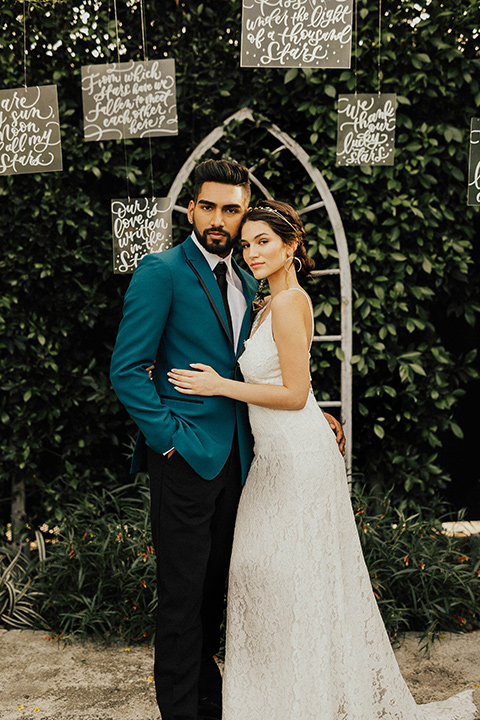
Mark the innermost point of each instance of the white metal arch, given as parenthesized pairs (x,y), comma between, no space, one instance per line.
(343,270)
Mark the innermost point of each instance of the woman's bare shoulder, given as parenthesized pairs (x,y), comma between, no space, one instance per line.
(286,299)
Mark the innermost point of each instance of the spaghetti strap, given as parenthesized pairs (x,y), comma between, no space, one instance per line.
(311,310)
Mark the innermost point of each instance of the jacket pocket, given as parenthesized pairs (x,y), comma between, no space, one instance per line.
(182,399)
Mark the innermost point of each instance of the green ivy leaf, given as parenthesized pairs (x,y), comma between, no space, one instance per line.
(290,75)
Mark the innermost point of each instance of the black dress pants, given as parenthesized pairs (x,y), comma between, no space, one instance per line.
(192,526)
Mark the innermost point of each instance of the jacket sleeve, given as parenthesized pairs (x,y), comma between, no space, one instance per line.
(145,312)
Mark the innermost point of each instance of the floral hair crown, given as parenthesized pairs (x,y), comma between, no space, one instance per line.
(278,214)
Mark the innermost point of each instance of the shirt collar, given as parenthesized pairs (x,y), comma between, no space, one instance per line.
(213,259)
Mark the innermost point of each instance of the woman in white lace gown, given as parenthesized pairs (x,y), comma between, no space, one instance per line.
(305,639)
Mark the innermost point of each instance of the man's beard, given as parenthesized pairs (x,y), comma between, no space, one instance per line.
(220,246)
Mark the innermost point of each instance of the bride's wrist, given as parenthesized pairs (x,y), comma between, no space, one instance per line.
(223,386)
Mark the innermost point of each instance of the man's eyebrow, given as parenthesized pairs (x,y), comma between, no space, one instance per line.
(224,207)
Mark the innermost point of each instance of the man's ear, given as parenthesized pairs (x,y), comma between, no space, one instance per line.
(190,209)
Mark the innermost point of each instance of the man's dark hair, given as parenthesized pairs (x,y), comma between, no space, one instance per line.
(221,171)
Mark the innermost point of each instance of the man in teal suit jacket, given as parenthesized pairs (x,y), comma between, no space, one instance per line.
(197,450)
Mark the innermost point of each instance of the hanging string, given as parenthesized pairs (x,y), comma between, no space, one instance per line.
(24,46)
(144,40)
(109,10)
(145,57)
(118,60)
(355,71)
(379,42)
(116,29)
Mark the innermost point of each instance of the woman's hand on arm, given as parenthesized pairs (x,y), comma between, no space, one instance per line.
(202,380)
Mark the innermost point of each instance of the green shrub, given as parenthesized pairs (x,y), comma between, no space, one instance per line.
(99,577)
(423,579)
(19,592)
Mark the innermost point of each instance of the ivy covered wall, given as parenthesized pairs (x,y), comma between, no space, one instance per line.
(413,240)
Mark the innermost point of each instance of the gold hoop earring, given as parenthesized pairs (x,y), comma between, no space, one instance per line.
(294,259)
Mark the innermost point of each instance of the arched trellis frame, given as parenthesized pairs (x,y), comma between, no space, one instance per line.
(343,270)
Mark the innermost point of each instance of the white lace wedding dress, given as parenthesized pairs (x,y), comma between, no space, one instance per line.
(305,639)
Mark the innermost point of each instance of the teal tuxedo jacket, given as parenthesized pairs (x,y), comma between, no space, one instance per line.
(173,316)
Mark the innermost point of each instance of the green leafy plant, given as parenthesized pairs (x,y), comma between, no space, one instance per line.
(19,594)
(99,577)
(423,579)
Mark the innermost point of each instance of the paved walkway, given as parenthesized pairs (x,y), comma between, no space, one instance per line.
(45,680)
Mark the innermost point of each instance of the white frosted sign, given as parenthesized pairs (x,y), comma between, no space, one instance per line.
(474,164)
(129,100)
(366,129)
(296,33)
(140,226)
(30,139)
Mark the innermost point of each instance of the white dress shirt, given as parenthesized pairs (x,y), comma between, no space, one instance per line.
(236,299)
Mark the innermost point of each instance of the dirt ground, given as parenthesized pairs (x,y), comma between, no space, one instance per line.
(42,679)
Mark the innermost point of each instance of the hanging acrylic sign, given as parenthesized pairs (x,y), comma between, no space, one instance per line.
(366,129)
(474,163)
(129,100)
(30,139)
(295,33)
(140,226)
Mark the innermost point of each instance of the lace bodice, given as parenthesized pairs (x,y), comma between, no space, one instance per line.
(259,362)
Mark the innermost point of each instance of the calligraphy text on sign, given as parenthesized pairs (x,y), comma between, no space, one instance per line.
(296,33)
(474,164)
(129,100)
(29,130)
(366,129)
(140,226)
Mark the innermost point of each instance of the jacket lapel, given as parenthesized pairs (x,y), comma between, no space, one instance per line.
(249,291)
(200,267)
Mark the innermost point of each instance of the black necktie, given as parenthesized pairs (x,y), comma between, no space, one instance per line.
(220,272)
